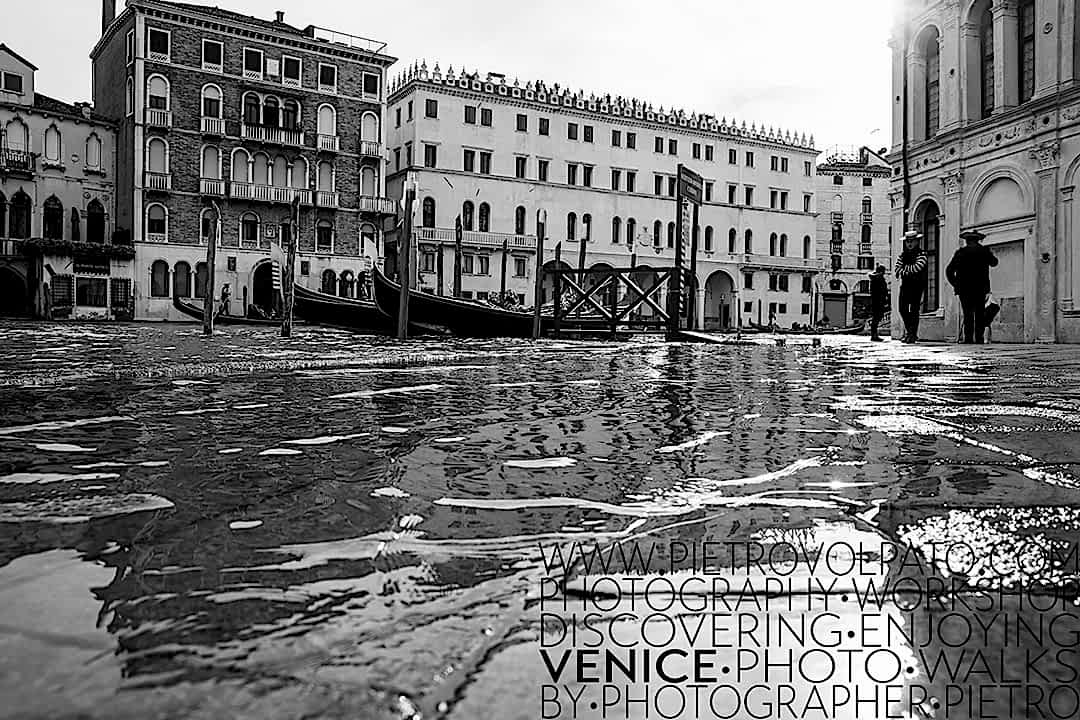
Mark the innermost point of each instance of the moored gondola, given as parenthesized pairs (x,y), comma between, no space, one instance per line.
(196,312)
(324,309)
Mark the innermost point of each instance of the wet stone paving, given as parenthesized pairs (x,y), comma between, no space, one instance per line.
(339,526)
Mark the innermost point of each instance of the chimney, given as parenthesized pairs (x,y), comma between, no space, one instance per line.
(280,16)
(108,14)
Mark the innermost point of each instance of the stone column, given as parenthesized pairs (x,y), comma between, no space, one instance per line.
(948,243)
(896,44)
(950,52)
(1006,54)
(1047,155)
(1047,62)
(1068,42)
(1066,284)
(971,72)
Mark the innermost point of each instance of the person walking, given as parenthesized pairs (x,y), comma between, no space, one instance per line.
(879,301)
(223,308)
(969,274)
(911,271)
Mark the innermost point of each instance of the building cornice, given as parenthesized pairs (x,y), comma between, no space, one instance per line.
(72,117)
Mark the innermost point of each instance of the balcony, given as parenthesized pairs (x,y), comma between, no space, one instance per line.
(9,247)
(836,217)
(272,135)
(213,126)
(369,148)
(156,237)
(328,143)
(327,199)
(866,218)
(381,205)
(18,161)
(157,181)
(445,236)
(158,118)
(774,261)
(158,56)
(209,186)
(267,193)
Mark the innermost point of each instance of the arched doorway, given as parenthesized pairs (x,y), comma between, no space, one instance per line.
(13,300)
(834,304)
(604,297)
(928,221)
(719,301)
(264,295)
(547,288)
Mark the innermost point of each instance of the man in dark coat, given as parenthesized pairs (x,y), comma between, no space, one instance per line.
(911,271)
(879,301)
(969,274)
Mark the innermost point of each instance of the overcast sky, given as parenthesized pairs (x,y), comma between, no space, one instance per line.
(815,66)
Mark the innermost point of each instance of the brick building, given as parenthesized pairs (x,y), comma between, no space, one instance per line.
(222,112)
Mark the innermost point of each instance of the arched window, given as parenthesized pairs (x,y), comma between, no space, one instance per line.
(290,115)
(53,219)
(428,214)
(279,172)
(732,240)
(19,222)
(867,205)
(519,220)
(3,215)
(129,106)
(838,204)
(324,236)
(485,217)
(327,119)
(368,237)
(748,241)
(241,166)
(326,176)
(929,221)
(657,230)
(300,173)
(95,222)
(1026,28)
(631,228)
(271,111)
(252,109)
(783,245)
(157,225)
(467,215)
(249,229)
(329,282)
(211,163)
(182,279)
(93,152)
(708,238)
(367,182)
(52,144)
(346,283)
(202,279)
(671,234)
(369,127)
(837,234)
(18,136)
(76,232)
(571,226)
(159,279)
(157,92)
(772,244)
(211,101)
(207,225)
(932,51)
(806,246)
(864,241)
(260,169)
(616,230)
(157,156)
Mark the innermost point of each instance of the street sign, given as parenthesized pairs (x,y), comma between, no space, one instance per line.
(690,184)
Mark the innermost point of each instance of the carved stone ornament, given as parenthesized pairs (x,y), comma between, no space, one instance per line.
(1047,154)
(952,182)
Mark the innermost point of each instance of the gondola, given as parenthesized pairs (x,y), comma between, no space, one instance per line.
(463,318)
(361,315)
(197,313)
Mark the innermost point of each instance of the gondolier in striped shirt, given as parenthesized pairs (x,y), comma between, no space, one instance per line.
(911,272)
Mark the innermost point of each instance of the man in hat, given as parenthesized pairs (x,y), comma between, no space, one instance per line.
(911,271)
(879,301)
(969,274)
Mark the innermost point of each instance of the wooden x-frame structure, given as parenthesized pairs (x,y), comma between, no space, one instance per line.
(586,306)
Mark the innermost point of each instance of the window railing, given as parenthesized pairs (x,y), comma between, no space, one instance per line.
(213,126)
(445,236)
(210,186)
(328,142)
(778,261)
(152,237)
(17,160)
(290,82)
(275,135)
(155,56)
(157,181)
(158,118)
(837,216)
(252,74)
(326,198)
(370,148)
(866,218)
(213,67)
(332,89)
(268,193)
(369,203)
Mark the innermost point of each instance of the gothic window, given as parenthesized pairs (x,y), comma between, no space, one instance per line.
(519,220)
(467,211)
(53,219)
(159,279)
(616,230)
(182,280)
(485,217)
(19,220)
(571,226)
(95,222)
(428,215)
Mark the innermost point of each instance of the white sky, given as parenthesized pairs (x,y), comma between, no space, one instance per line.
(815,66)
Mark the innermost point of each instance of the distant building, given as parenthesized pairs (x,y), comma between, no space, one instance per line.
(987,96)
(216,109)
(494,151)
(58,254)
(853,234)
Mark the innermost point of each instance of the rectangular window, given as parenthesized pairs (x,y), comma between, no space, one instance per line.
(709,153)
(866,263)
(616,138)
(773,195)
(671,183)
(838,180)
(708,191)
(807,283)
(253,64)
(733,157)
(696,151)
(519,267)
(305,267)
(327,78)
(808,168)
(806,308)
(468,162)
(408,154)
(749,159)
(522,123)
(748,281)
(868,182)
(467,264)
(130,45)
(470,114)
(13,83)
(544,126)
(212,52)
(430,155)
(542,170)
(431,108)
(371,85)
(773,282)
(782,283)
(157,42)
(631,141)
(732,194)
(485,118)
(397,118)
(485,163)
(774,163)
(466,294)
(658,184)
(783,200)
(616,177)
(806,203)
(631,179)
(483,265)
(588,129)
(397,158)
(91,292)
(672,147)
(658,145)
(784,165)
(571,174)
(782,308)
(586,175)
(748,306)
(410,115)
(291,71)
(571,131)
(428,262)
(520,166)
(749,196)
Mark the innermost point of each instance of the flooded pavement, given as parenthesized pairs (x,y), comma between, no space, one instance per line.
(341,526)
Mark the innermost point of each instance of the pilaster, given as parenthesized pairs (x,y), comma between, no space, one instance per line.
(1006,52)
(952,186)
(1069,272)
(950,51)
(969,72)
(1047,61)
(1043,255)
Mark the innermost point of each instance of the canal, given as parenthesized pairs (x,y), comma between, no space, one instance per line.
(342,526)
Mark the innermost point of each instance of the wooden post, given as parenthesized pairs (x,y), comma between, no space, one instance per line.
(613,291)
(211,261)
(691,311)
(676,278)
(556,290)
(581,249)
(440,278)
(541,221)
(405,262)
(457,257)
(290,262)
(502,282)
